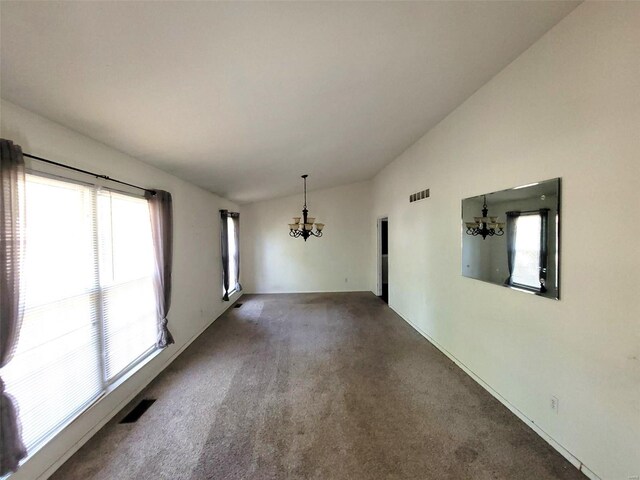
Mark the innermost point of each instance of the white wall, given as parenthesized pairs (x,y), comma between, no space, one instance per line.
(197,284)
(568,107)
(273,262)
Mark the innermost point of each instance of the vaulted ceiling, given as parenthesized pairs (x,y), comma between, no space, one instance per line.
(242,98)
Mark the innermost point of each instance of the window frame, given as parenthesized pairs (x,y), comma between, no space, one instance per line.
(107,385)
(230,221)
(225,241)
(107,381)
(542,250)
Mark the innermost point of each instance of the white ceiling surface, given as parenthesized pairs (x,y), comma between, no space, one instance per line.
(243,98)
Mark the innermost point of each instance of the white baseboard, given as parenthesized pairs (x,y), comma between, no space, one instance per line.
(307,291)
(545,436)
(86,437)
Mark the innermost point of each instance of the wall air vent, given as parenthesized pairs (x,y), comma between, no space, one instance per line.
(415,197)
(138,410)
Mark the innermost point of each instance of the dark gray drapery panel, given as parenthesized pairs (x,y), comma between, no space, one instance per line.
(161,212)
(224,243)
(12,241)
(544,247)
(511,243)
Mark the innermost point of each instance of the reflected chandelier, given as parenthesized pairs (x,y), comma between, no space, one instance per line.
(303,226)
(485,226)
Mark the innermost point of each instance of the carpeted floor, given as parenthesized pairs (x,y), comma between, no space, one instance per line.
(316,386)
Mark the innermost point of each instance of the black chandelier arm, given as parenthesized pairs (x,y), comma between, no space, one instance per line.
(304,233)
(485,232)
(480,227)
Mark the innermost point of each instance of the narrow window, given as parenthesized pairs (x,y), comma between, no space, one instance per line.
(230,251)
(233,254)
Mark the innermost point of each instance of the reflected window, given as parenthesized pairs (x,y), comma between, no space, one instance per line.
(526,270)
(527,249)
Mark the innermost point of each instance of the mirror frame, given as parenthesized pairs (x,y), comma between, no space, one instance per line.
(558,238)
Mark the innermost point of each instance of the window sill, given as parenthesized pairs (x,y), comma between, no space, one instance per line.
(142,362)
(136,367)
(232,293)
(525,288)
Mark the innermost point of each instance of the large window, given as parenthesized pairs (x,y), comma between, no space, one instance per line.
(90,312)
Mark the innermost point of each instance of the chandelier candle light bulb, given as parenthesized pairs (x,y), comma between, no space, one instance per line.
(303,226)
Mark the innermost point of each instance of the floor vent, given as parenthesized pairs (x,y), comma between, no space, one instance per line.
(414,197)
(237,305)
(138,410)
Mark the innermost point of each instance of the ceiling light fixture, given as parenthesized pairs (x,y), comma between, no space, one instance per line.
(303,226)
(485,226)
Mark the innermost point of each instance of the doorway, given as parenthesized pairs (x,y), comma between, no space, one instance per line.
(383,259)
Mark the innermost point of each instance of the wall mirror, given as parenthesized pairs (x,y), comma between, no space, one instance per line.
(512,238)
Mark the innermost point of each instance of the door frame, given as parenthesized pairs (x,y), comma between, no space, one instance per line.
(379,252)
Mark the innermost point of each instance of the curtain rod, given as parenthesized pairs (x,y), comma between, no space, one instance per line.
(529,211)
(96,175)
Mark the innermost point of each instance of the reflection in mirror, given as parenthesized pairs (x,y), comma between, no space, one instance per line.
(511,238)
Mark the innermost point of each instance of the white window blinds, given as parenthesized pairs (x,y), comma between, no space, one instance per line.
(89,301)
(526,270)
(233,253)
(126,269)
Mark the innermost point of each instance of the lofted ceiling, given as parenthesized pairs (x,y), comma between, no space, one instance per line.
(242,98)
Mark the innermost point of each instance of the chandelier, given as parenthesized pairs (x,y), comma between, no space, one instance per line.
(484,225)
(303,226)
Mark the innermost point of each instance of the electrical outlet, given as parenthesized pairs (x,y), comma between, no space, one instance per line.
(555,404)
(346,280)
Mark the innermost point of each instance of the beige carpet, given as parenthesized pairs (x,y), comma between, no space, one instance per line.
(316,386)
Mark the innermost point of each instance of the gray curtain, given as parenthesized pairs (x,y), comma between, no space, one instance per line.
(12,241)
(544,247)
(511,243)
(161,212)
(224,244)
